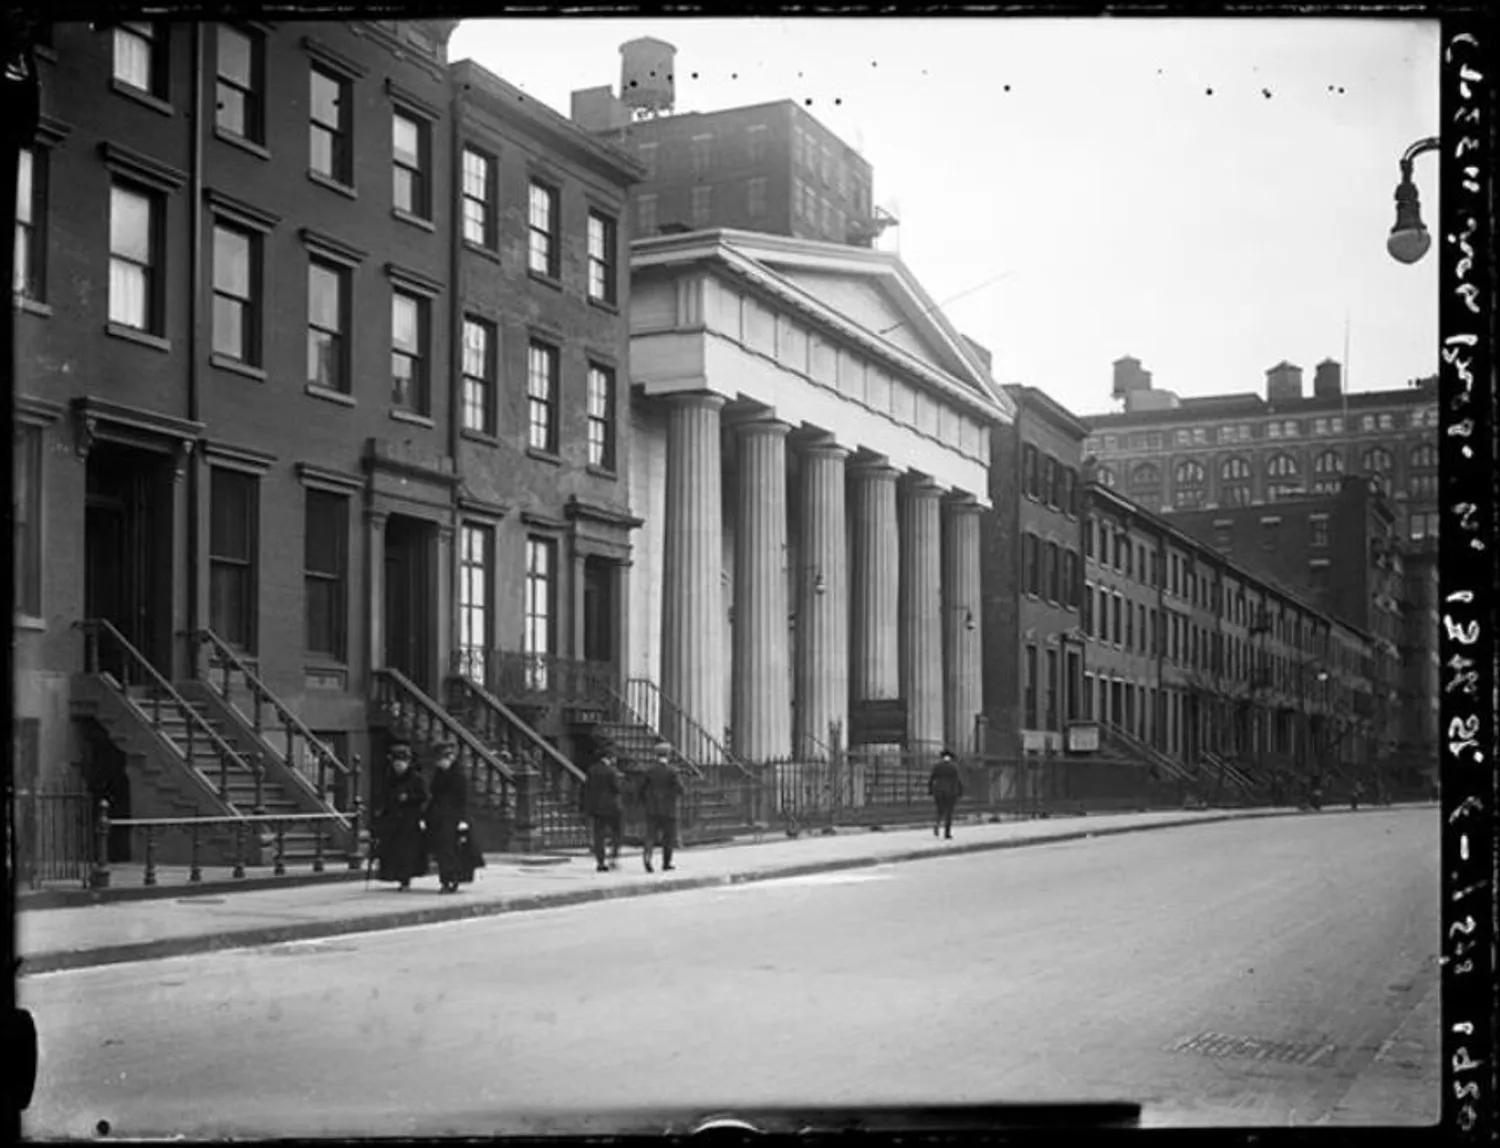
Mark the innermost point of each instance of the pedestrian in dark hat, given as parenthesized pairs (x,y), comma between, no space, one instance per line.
(660,791)
(398,822)
(449,834)
(946,788)
(602,806)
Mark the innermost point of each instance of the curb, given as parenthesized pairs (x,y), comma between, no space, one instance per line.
(409,918)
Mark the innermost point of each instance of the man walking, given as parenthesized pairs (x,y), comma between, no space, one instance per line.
(659,794)
(946,788)
(601,805)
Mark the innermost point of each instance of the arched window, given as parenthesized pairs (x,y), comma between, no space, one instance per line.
(1145,483)
(1282,473)
(1189,487)
(1236,485)
(1377,460)
(1328,470)
(1106,477)
(1424,457)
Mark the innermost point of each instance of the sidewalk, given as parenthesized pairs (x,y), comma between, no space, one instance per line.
(200,920)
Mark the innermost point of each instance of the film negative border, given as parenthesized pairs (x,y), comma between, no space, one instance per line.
(1466,649)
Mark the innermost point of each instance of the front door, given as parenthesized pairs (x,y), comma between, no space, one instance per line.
(127,577)
(598,611)
(411,599)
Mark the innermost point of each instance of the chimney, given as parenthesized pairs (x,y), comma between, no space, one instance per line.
(1129,377)
(1328,380)
(1283,383)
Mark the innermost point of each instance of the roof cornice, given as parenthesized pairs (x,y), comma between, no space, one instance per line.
(711,247)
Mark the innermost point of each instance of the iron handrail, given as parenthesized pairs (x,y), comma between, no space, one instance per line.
(92,627)
(687,722)
(510,716)
(216,820)
(632,716)
(455,728)
(1150,752)
(291,723)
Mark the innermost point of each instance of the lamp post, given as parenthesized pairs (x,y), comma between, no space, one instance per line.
(1409,239)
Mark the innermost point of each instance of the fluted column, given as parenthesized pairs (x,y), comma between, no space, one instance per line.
(875,566)
(692,602)
(762,672)
(922,612)
(823,601)
(964,684)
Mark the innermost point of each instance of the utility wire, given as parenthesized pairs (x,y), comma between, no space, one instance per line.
(945,302)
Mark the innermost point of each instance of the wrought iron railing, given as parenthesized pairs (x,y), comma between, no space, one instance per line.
(521,678)
(1169,766)
(250,832)
(682,731)
(326,766)
(101,637)
(54,837)
(418,718)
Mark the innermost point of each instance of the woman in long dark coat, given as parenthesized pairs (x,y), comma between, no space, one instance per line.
(448,832)
(398,824)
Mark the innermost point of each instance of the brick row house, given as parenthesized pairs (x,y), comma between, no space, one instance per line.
(320,343)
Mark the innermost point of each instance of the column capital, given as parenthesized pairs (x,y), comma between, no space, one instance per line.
(923,485)
(706,400)
(877,468)
(821,446)
(961,504)
(760,424)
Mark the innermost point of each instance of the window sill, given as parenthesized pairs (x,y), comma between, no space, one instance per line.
(545,280)
(225,363)
(328,394)
(604,305)
(414,220)
(32,307)
(259,151)
(145,339)
(404,416)
(544,456)
(479,436)
(604,472)
(29,622)
(331,184)
(480,249)
(155,103)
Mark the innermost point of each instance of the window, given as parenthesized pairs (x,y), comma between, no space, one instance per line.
(1049,480)
(1030,564)
(1119,609)
(601,417)
(1075,676)
(325,568)
(1129,556)
(31,199)
(1129,627)
(1140,617)
(603,247)
(1052,684)
(755,197)
(1051,576)
(327,295)
(133,250)
(1088,538)
(1122,550)
(1422,486)
(408,352)
(234,515)
(1387,422)
(330,152)
(1328,467)
(1282,471)
(409,155)
(239,84)
(542,256)
(702,152)
(1424,457)
(646,215)
(1069,491)
(475,560)
(1145,483)
(140,57)
(647,155)
(1069,578)
(236,294)
(755,142)
(1189,486)
(1030,715)
(1088,610)
(541,391)
(1317,574)
(1106,477)
(702,205)
(541,598)
(1030,471)
(1377,460)
(1235,482)
(27,540)
(1103,614)
(479,198)
(479,376)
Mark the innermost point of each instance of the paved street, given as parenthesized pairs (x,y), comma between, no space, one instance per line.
(1064,971)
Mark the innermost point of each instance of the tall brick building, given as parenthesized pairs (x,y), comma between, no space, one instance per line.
(317,393)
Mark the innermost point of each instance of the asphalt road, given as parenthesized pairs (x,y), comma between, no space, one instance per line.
(1059,972)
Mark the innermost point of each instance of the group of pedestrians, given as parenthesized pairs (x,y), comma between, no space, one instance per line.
(422,821)
(659,791)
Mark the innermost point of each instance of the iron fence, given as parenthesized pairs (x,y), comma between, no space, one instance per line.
(54,837)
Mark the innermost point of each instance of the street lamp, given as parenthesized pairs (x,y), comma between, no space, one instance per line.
(1409,240)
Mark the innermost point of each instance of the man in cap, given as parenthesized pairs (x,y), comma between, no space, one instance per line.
(946,788)
(601,805)
(660,792)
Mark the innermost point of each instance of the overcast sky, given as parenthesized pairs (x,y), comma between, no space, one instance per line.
(1210,196)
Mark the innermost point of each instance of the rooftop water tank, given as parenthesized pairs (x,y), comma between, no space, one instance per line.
(647,76)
